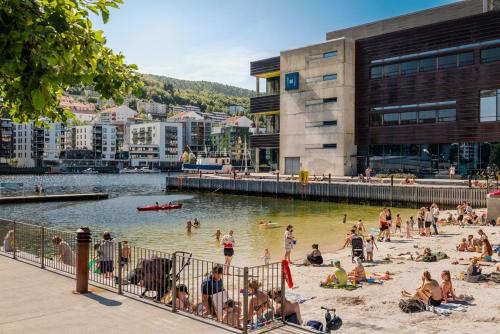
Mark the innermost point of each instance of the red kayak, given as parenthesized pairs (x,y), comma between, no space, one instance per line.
(159,207)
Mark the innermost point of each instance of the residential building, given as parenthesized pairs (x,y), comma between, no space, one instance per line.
(196,130)
(150,107)
(156,145)
(98,138)
(415,93)
(54,142)
(29,143)
(120,114)
(184,108)
(231,137)
(6,141)
(83,111)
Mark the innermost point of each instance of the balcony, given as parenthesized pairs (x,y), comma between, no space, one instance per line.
(265,68)
(266,103)
(271,140)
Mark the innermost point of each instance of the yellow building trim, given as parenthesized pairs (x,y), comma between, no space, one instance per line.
(267,113)
(268,74)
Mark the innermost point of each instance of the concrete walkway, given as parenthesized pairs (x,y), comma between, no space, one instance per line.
(33,300)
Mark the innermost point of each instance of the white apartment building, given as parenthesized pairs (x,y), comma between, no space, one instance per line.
(54,141)
(28,145)
(151,107)
(116,114)
(156,145)
(83,137)
(99,138)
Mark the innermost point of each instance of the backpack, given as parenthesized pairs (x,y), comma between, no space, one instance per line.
(429,258)
(411,305)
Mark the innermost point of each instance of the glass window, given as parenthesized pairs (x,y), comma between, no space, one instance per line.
(466,58)
(376,72)
(329,77)
(426,117)
(391,119)
(488,106)
(330,100)
(490,55)
(449,61)
(273,86)
(391,70)
(428,64)
(330,54)
(408,67)
(447,115)
(329,123)
(376,120)
(408,118)
(329,145)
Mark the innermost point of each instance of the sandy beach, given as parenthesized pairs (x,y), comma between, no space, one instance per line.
(374,308)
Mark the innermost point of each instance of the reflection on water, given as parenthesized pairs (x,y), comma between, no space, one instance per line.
(314,222)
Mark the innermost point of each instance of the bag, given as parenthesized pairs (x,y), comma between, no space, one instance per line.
(411,305)
(429,258)
(316,325)
(495,277)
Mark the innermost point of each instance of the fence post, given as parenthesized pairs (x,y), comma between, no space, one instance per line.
(283,287)
(120,277)
(42,249)
(174,280)
(15,237)
(245,300)
(83,238)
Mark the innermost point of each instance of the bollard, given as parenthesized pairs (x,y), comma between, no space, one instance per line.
(83,238)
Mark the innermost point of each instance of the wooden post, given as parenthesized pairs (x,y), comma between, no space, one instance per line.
(83,238)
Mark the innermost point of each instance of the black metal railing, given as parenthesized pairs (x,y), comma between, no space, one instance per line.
(237,297)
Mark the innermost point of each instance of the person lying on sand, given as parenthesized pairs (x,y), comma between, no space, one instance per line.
(429,292)
(447,287)
(339,275)
(358,273)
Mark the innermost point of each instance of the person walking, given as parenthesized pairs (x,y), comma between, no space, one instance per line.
(428,221)
(106,250)
(288,241)
(228,243)
(435,217)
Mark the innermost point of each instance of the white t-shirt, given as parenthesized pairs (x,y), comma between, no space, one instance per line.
(288,238)
(435,212)
(369,247)
(228,241)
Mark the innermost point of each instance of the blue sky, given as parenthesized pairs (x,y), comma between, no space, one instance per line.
(215,40)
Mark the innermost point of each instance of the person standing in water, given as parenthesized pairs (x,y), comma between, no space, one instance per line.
(228,243)
(217,235)
(288,242)
(344,219)
(188,226)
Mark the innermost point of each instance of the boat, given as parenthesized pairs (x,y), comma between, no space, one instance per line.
(209,163)
(160,207)
(129,171)
(90,171)
(149,170)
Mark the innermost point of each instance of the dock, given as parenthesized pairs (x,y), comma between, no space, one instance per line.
(446,196)
(53,198)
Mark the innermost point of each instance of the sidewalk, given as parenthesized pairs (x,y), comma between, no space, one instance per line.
(33,300)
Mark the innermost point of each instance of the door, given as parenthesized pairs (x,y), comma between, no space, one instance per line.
(292,165)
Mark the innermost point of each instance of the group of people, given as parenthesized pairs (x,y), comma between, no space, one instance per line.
(430,292)
(479,245)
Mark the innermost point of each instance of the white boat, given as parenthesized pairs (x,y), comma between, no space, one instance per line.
(129,171)
(90,171)
(148,170)
(209,163)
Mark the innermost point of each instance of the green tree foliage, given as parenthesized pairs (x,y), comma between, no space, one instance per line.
(48,46)
(495,154)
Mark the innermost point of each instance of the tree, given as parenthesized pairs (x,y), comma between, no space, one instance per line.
(48,46)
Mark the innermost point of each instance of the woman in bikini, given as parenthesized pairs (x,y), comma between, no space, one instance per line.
(291,309)
(259,304)
(429,292)
(447,286)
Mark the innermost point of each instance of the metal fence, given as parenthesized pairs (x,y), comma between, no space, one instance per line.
(237,297)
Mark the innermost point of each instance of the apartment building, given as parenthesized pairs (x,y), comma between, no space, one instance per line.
(150,107)
(118,114)
(54,142)
(196,129)
(415,93)
(231,137)
(156,145)
(29,144)
(98,138)
(6,141)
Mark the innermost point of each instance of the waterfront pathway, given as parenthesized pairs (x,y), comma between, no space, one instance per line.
(39,301)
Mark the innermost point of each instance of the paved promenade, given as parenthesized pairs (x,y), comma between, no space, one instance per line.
(33,300)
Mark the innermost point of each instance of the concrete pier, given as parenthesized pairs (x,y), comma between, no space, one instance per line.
(53,198)
(383,193)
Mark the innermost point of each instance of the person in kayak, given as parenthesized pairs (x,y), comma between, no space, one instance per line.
(228,243)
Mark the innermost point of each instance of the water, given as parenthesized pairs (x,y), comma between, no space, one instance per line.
(314,222)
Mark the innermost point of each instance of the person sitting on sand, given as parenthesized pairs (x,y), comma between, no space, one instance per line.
(487,251)
(182,300)
(474,269)
(315,256)
(471,243)
(338,277)
(462,246)
(358,273)
(232,314)
(429,292)
(259,303)
(292,309)
(450,220)
(426,256)
(447,287)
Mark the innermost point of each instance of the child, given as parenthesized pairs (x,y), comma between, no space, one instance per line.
(370,243)
(266,256)
(8,242)
(231,315)
(125,255)
(217,235)
(398,224)
(447,287)
(409,227)
(462,246)
(344,219)
(182,301)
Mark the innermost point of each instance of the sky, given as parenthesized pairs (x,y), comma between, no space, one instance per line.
(215,40)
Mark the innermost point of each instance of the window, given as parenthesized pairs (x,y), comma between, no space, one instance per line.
(449,61)
(330,100)
(391,119)
(428,64)
(408,67)
(490,55)
(320,124)
(376,120)
(329,145)
(376,72)
(329,123)
(391,70)
(408,118)
(330,54)
(488,106)
(292,81)
(427,117)
(447,115)
(328,77)
(466,58)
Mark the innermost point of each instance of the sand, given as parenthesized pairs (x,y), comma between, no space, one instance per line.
(374,308)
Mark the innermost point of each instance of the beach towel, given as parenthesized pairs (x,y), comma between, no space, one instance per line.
(348,287)
(447,309)
(293,296)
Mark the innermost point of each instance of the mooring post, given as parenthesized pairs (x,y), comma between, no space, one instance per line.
(83,238)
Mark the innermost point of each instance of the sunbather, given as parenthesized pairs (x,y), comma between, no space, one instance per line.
(462,246)
(291,309)
(429,292)
(259,304)
(447,286)
(315,256)
(358,273)
(232,314)
(487,251)
(338,277)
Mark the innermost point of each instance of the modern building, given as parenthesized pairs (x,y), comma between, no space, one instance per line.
(29,144)
(54,142)
(156,145)
(6,141)
(150,107)
(98,138)
(415,93)
(120,114)
(196,129)
(184,108)
(231,137)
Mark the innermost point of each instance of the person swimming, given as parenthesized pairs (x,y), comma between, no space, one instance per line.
(196,223)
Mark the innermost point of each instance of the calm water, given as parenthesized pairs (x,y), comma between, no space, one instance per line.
(314,222)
